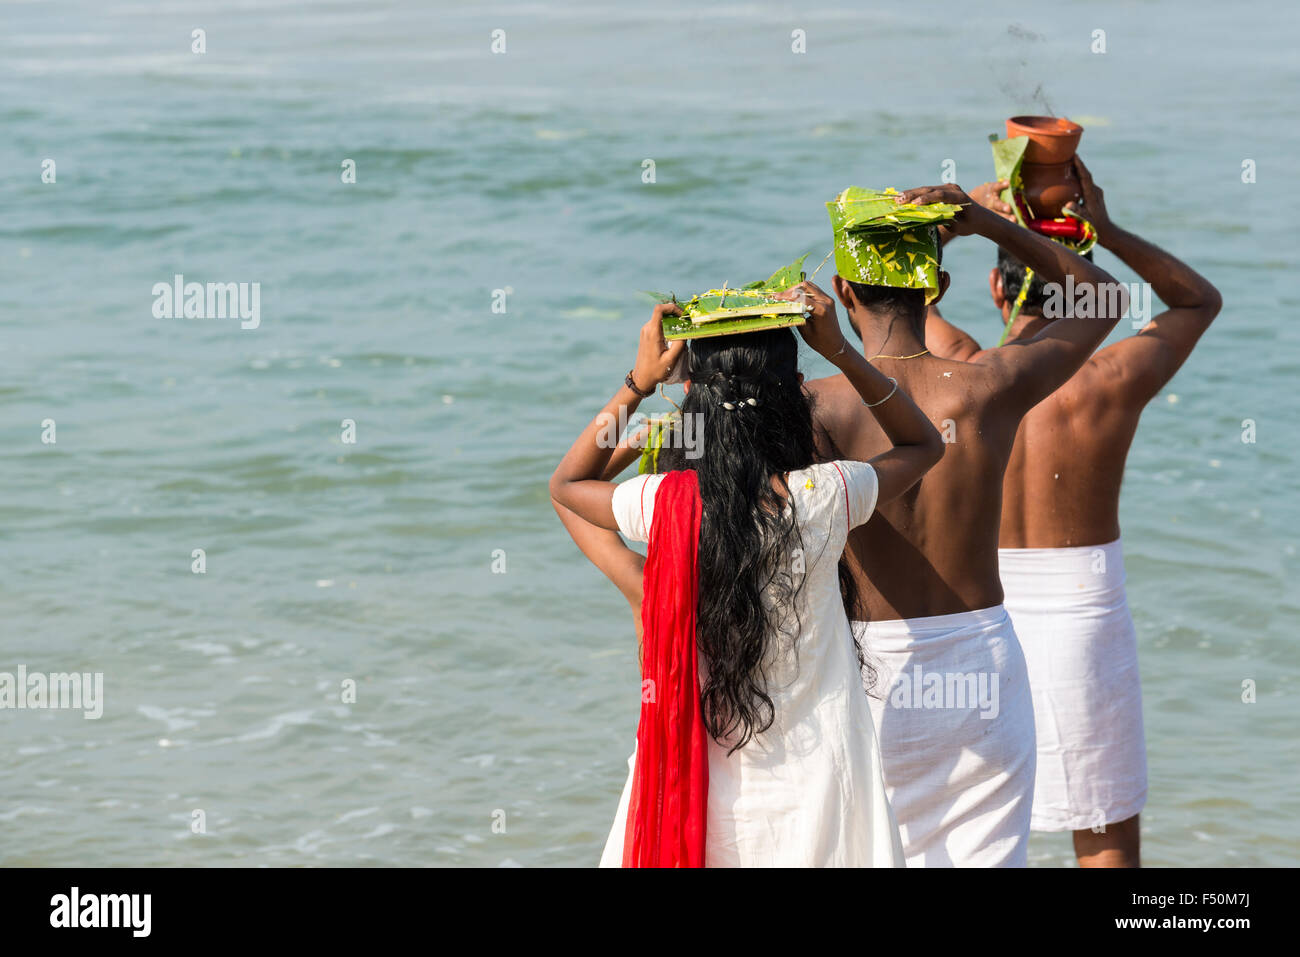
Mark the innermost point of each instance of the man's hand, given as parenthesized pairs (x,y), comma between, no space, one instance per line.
(822,330)
(1094,201)
(989,195)
(969,216)
(656,356)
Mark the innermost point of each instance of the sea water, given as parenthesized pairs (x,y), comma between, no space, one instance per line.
(315,559)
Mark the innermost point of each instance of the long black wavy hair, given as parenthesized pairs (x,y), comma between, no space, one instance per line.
(754,425)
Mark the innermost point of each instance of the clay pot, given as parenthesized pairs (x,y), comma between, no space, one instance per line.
(1047,171)
(1049,187)
(1051,139)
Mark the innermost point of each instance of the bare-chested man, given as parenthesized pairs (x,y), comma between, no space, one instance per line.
(1061,561)
(952,706)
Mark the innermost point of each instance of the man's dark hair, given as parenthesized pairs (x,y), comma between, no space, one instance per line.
(1012,271)
(908,304)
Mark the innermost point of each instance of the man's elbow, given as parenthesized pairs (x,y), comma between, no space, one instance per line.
(556,487)
(1213,301)
(933,448)
(1113,297)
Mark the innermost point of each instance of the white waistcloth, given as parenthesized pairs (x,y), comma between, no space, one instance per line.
(955,720)
(808,791)
(1071,613)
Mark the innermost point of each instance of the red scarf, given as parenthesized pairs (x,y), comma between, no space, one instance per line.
(670,789)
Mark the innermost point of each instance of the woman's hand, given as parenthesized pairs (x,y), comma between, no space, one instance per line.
(822,330)
(578,482)
(655,355)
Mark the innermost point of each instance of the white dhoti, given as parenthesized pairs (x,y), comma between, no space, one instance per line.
(955,721)
(1071,613)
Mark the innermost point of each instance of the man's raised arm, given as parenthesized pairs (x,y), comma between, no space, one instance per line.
(942,338)
(1036,367)
(1141,365)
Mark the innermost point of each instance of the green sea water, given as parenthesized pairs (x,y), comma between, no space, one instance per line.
(494,669)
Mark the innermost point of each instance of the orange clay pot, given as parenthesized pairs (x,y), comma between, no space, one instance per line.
(1047,171)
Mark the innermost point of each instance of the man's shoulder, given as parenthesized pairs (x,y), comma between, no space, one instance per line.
(1102,373)
(829,388)
(1091,392)
(832,411)
(826,382)
(1102,381)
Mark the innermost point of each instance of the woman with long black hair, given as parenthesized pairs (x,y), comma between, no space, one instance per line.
(755,744)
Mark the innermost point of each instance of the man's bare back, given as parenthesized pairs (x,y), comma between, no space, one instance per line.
(1063,478)
(1062,483)
(934,551)
(916,552)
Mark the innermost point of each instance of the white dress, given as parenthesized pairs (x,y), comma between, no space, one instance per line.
(808,792)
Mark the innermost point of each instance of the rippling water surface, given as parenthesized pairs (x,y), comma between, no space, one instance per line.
(484,697)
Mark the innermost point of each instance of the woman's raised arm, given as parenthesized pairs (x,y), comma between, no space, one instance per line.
(917,444)
(577,483)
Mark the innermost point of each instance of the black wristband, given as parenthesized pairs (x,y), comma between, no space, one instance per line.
(632,385)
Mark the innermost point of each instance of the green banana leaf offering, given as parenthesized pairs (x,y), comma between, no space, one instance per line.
(1008,155)
(751,308)
(883,243)
(648,464)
